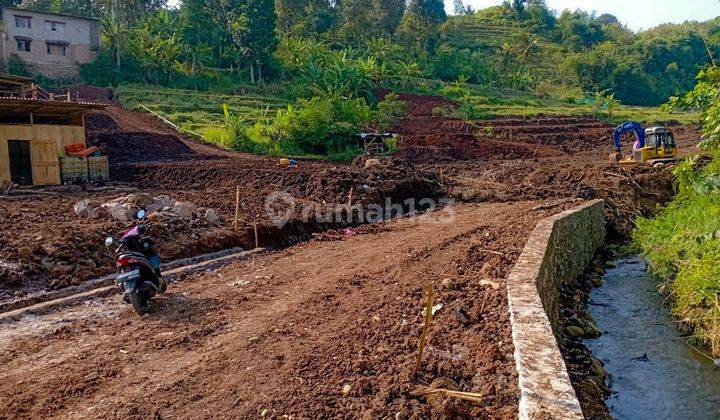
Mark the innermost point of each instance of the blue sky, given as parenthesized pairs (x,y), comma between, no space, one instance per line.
(636,14)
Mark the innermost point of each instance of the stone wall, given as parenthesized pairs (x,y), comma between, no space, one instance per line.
(558,251)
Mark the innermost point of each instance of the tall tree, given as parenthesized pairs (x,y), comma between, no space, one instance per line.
(432,11)
(251,24)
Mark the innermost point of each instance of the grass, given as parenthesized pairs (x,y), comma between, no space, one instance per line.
(494,102)
(682,244)
(200,112)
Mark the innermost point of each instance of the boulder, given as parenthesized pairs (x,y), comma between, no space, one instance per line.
(97,213)
(371,162)
(574,331)
(184,209)
(122,213)
(211,215)
(81,207)
(141,200)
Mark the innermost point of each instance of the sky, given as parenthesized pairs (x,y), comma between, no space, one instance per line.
(636,14)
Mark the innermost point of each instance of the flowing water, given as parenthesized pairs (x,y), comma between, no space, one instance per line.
(655,375)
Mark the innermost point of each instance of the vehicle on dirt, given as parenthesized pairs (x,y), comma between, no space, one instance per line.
(652,145)
(138,265)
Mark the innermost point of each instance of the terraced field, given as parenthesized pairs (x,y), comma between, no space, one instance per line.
(198,112)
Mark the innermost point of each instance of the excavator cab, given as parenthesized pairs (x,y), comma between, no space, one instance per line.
(659,146)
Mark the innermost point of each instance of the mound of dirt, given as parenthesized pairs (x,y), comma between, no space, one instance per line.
(85,93)
(140,147)
(99,121)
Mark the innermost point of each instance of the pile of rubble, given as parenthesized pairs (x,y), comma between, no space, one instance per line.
(161,207)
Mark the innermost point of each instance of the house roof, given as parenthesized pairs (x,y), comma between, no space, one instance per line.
(44,107)
(17,9)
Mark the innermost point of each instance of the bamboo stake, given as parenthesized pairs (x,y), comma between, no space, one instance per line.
(237,206)
(467,396)
(426,327)
(257,240)
(350,197)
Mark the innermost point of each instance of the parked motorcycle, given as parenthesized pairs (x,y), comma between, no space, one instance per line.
(138,266)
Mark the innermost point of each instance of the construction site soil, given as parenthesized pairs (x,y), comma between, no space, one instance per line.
(327,328)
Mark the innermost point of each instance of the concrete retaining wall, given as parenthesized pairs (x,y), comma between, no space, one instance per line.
(558,251)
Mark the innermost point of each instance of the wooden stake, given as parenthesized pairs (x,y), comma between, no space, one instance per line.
(426,327)
(350,197)
(257,240)
(237,206)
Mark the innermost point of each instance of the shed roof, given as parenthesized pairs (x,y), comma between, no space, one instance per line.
(43,107)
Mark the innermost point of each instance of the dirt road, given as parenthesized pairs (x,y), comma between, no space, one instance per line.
(285,332)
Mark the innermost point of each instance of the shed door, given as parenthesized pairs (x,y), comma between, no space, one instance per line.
(45,162)
(20,162)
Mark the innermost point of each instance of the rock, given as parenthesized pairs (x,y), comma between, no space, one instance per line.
(495,285)
(122,213)
(184,209)
(371,162)
(264,413)
(82,207)
(47,263)
(610,264)
(97,213)
(591,330)
(346,389)
(574,331)
(596,281)
(142,200)
(155,217)
(211,215)
(445,383)
(598,368)
(448,284)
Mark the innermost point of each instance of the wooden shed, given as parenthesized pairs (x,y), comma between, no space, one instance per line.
(33,136)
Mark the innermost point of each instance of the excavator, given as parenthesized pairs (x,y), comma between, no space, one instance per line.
(652,145)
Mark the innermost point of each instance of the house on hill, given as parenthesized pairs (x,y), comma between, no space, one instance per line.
(52,45)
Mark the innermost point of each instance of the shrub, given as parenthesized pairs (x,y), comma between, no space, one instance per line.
(389,110)
(321,125)
(16,65)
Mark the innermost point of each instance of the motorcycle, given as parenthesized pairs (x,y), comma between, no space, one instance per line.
(138,266)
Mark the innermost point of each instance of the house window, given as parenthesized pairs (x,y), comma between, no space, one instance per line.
(23,45)
(55,26)
(23,22)
(56,49)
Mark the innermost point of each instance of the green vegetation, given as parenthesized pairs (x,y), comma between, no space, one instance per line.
(683,241)
(259,56)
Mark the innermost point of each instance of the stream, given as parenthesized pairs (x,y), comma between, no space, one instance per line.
(672,381)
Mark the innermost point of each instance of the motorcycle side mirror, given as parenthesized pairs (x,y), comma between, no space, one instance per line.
(141,214)
(109,241)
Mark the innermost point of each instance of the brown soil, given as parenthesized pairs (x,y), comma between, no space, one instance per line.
(287,331)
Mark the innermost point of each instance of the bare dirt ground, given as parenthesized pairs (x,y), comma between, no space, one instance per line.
(287,332)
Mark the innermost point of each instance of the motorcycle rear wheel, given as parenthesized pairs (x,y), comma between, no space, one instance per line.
(139,302)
